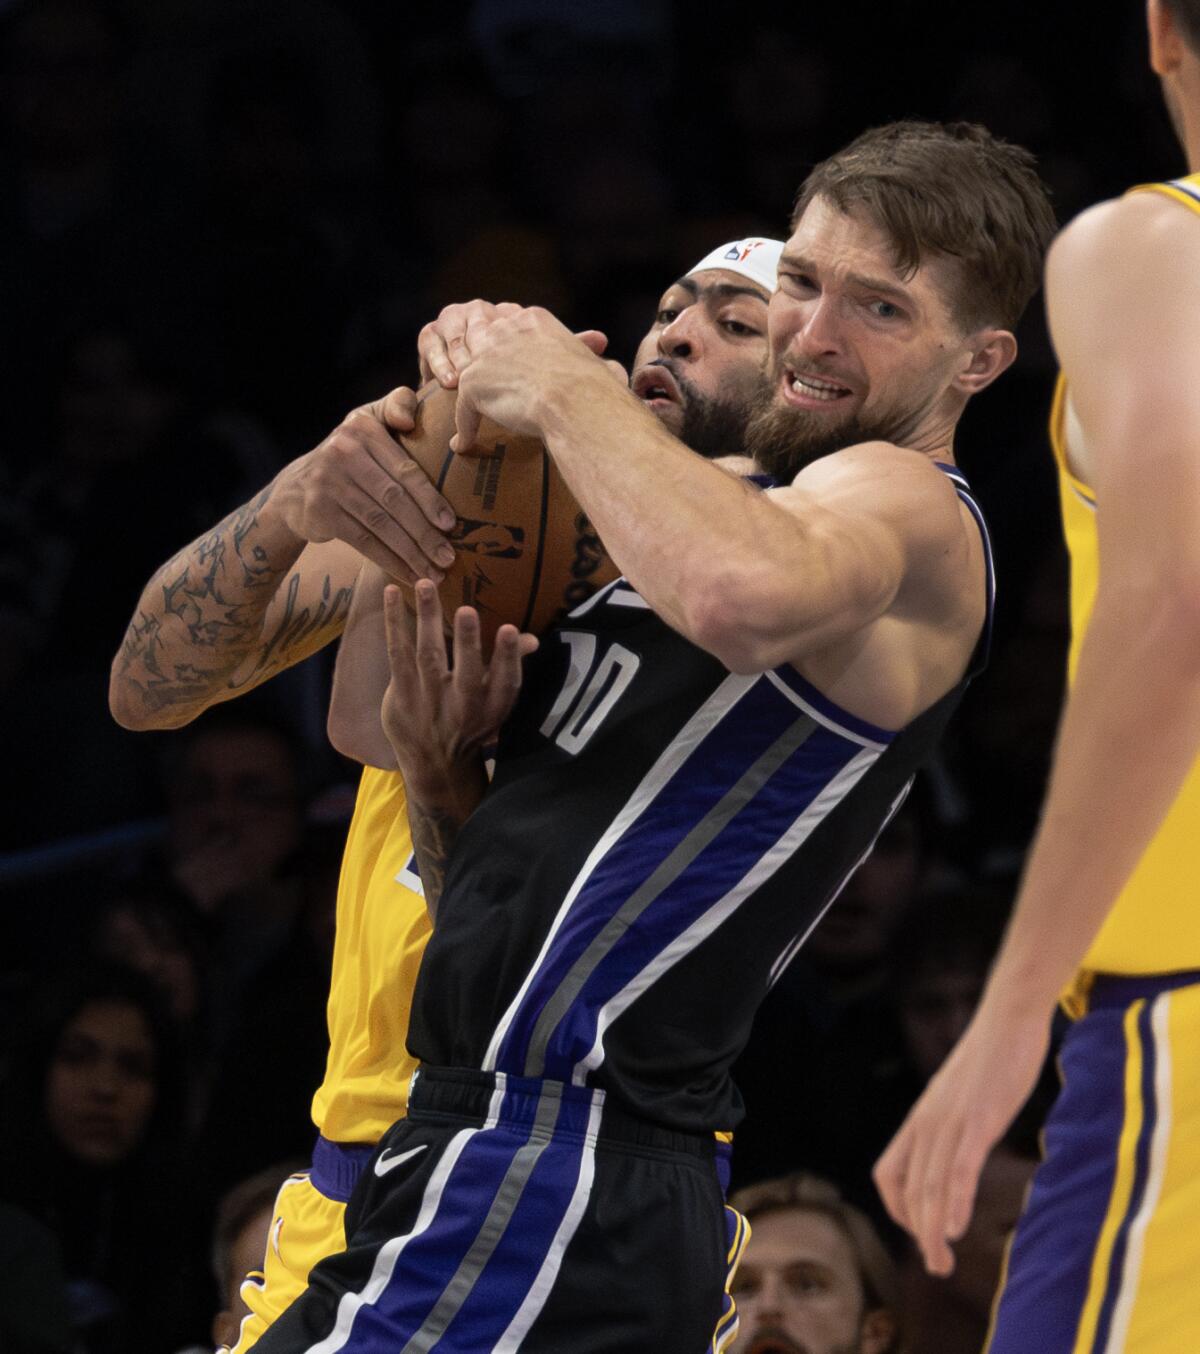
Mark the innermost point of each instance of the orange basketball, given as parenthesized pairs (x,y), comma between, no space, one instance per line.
(525,551)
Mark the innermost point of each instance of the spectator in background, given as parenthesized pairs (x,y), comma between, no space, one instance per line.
(815,1277)
(275,1049)
(235,810)
(91,1127)
(240,1242)
(237,851)
(90,513)
(152,930)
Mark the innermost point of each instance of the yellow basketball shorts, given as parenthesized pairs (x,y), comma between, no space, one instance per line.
(1106,1255)
(308,1226)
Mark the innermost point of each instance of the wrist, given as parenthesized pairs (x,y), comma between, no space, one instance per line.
(568,406)
(1017,1000)
(445,787)
(280,507)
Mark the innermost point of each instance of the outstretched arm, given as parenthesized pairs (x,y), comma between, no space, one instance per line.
(273,582)
(439,718)
(1123,289)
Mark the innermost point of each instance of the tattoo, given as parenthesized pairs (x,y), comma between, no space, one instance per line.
(434,832)
(296,628)
(215,599)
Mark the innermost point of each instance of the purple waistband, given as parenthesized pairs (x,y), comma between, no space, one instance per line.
(1120,989)
(336,1167)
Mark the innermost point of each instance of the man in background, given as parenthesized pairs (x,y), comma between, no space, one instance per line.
(815,1277)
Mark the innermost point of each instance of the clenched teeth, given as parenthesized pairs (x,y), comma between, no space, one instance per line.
(816,389)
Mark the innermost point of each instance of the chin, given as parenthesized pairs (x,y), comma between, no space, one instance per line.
(669,415)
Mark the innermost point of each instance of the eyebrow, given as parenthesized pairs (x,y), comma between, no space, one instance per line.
(879,284)
(720,290)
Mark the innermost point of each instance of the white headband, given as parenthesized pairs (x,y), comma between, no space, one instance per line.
(753,258)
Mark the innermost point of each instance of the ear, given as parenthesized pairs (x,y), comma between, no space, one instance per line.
(878,1332)
(991,352)
(1166,45)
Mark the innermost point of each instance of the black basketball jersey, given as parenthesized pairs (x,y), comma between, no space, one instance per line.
(660,837)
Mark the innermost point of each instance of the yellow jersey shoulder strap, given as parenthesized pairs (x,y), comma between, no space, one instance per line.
(1058,443)
(1185,190)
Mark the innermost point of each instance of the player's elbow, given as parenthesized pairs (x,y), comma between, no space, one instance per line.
(126,708)
(359,737)
(344,731)
(740,622)
(134,708)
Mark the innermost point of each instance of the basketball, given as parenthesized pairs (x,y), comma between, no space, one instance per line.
(525,552)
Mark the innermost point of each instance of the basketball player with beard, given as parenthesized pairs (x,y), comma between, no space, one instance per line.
(698,758)
(272,583)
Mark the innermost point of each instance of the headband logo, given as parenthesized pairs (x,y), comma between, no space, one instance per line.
(741,252)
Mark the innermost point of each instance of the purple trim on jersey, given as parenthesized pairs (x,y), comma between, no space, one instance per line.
(864,729)
(717,869)
(1049,1267)
(717,764)
(478,1180)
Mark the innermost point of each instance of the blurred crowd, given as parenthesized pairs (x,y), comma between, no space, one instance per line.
(221,225)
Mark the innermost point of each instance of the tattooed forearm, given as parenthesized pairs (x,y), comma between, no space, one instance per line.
(218,618)
(299,625)
(434,832)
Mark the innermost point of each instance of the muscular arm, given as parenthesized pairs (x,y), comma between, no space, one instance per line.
(238,605)
(273,582)
(1123,290)
(755,579)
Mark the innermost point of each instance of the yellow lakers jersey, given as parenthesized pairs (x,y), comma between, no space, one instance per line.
(1154,926)
(382,927)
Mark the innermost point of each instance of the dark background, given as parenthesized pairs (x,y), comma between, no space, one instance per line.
(221,225)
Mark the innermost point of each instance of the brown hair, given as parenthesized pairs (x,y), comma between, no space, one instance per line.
(949,189)
(236,1211)
(812,1194)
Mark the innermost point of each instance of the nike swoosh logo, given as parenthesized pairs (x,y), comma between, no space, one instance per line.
(385,1163)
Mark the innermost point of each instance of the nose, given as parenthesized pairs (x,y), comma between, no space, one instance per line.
(767,1299)
(816,327)
(104,1083)
(682,338)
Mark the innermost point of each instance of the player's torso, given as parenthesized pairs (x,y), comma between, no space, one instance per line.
(382,927)
(659,837)
(1155,924)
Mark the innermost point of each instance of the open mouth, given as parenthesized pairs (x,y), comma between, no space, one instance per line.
(654,383)
(772,1342)
(811,391)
